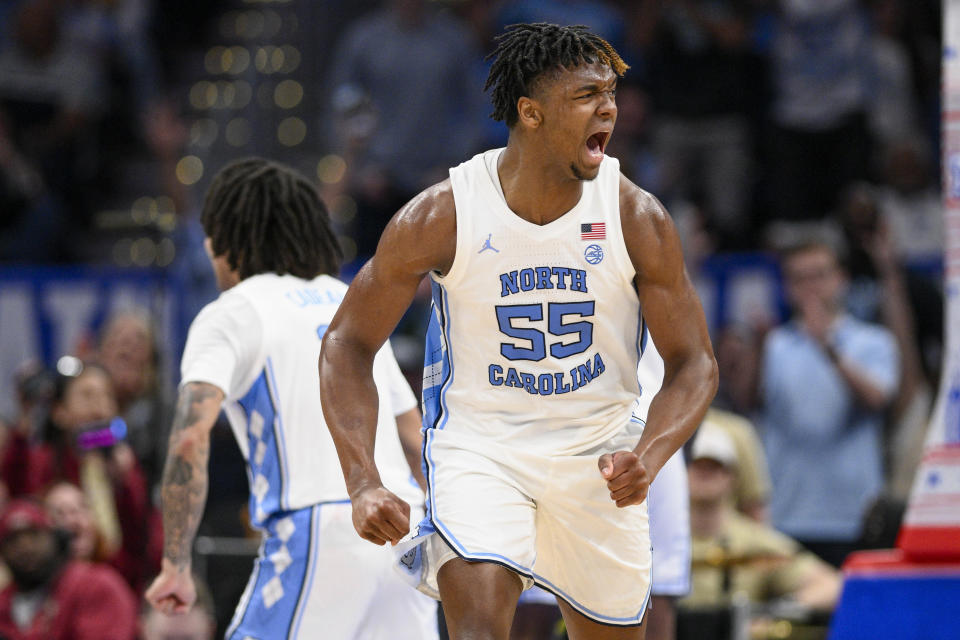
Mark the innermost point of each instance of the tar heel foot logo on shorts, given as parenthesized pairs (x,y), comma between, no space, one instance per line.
(409,559)
(593,254)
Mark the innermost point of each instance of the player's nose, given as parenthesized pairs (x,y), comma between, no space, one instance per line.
(608,106)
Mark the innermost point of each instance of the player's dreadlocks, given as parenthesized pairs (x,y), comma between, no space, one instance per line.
(525,51)
(266,217)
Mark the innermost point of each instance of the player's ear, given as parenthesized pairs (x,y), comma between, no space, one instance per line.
(529,112)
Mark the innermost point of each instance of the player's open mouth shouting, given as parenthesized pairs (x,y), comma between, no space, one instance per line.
(597,144)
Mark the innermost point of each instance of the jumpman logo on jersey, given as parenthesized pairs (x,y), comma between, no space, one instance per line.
(487,245)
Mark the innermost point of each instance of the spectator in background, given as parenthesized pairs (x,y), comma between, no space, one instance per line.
(115,32)
(821,61)
(51,596)
(893,101)
(128,351)
(603,18)
(902,301)
(751,477)
(197,624)
(69,510)
(909,201)
(403,74)
(703,78)
(50,98)
(30,216)
(111,478)
(738,358)
(827,380)
(735,555)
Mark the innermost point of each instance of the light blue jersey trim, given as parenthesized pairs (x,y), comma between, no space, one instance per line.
(444,298)
(539,580)
(247,596)
(276,590)
(259,400)
(278,434)
(311,568)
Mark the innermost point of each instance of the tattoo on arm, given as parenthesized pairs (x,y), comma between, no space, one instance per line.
(184,488)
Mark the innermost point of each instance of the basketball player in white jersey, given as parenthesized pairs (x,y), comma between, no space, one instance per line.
(253,352)
(542,256)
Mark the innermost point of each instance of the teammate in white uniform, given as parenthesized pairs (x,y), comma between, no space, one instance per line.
(542,256)
(253,351)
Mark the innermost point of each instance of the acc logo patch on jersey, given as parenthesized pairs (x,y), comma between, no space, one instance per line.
(593,254)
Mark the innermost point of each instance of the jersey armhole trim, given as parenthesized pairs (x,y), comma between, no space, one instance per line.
(619,248)
(461,191)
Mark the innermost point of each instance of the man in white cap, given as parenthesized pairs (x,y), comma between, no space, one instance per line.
(733,554)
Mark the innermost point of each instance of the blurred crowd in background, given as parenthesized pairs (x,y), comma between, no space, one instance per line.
(797,137)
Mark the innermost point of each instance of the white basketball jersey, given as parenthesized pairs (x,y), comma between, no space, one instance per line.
(259,342)
(536,330)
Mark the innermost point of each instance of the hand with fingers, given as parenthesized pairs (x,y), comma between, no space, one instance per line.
(173,591)
(379,516)
(627,477)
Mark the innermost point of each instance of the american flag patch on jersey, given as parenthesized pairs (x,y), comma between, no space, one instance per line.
(593,231)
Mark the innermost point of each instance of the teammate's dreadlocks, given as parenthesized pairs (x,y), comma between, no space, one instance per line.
(525,51)
(266,217)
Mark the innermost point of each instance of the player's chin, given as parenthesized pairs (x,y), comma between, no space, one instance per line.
(584,173)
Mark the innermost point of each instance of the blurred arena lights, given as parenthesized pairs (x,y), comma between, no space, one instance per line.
(203,95)
(166,251)
(291,131)
(213,61)
(143,210)
(189,170)
(331,169)
(69,366)
(227,95)
(344,209)
(288,94)
(290,59)
(203,132)
(143,252)
(235,60)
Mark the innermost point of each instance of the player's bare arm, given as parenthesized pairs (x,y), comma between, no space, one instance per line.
(184,493)
(408,428)
(675,319)
(420,238)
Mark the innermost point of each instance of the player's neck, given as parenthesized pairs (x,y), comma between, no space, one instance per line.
(535,190)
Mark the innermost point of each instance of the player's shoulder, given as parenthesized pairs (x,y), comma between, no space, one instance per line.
(231,305)
(423,233)
(649,233)
(639,207)
(432,207)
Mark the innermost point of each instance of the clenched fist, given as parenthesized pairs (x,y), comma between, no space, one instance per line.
(627,478)
(379,516)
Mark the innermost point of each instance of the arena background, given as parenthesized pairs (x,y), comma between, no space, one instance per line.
(115,114)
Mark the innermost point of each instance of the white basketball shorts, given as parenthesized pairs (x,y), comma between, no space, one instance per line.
(669,513)
(549,519)
(315,577)
(669,505)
